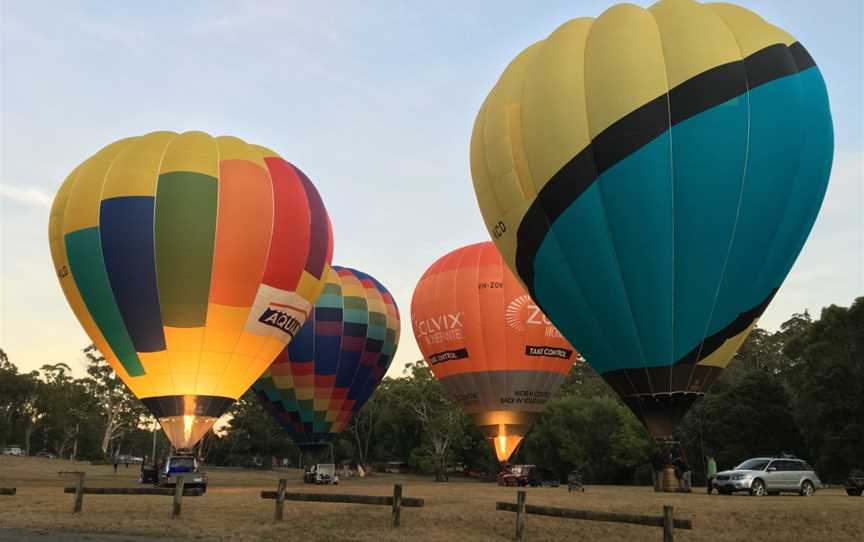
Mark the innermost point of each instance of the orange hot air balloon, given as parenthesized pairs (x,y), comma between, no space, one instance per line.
(497,355)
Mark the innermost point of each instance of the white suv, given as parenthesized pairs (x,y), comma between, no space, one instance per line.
(769,476)
(13,450)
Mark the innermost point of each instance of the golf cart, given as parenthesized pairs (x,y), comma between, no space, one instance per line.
(321,473)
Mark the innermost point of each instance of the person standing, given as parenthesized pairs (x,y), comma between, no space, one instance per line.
(658,461)
(682,469)
(711,472)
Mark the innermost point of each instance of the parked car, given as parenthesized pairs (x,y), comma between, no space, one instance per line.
(519,475)
(321,473)
(548,479)
(186,465)
(149,473)
(46,455)
(769,476)
(855,483)
(13,450)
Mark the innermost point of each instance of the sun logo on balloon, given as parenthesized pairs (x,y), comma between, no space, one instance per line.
(514,312)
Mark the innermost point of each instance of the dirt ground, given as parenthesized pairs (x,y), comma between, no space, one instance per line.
(459,510)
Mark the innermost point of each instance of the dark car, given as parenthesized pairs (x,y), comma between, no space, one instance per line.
(149,473)
(855,483)
(519,475)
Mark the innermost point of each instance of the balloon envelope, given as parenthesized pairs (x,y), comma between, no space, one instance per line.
(329,371)
(190,261)
(495,352)
(651,176)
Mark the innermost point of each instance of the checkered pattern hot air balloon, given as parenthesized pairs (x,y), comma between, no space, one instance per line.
(331,368)
(190,261)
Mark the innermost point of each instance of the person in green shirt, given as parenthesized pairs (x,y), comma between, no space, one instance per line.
(712,472)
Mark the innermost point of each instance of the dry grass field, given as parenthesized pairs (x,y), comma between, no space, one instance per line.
(456,511)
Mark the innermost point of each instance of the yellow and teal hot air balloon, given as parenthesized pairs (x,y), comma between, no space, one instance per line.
(190,261)
(651,176)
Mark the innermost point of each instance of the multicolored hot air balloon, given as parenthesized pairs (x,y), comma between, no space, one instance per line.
(497,355)
(651,176)
(331,368)
(190,261)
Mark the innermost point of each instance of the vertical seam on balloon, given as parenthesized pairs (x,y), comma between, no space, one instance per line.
(219,180)
(62,240)
(487,373)
(353,380)
(601,197)
(772,241)
(363,382)
(552,233)
(255,357)
(674,226)
(155,263)
(370,383)
(502,302)
(490,186)
(102,256)
(460,270)
(341,349)
(536,375)
(734,231)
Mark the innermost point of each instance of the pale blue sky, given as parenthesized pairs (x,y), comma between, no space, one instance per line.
(373,100)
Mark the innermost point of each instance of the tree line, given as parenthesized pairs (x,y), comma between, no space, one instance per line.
(798,390)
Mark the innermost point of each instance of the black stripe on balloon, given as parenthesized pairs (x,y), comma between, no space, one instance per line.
(184,405)
(636,129)
(801,56)
(769,64)
(677,378)
(715,341)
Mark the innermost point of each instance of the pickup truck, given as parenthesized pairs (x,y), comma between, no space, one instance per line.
(188,466)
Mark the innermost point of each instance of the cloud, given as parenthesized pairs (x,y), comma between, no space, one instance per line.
(28,195)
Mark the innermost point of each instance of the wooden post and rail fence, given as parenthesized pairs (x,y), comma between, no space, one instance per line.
(396,502)
(667,521)
(178,492)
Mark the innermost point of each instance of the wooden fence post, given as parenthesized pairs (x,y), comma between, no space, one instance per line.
(178,497)
(668,524)
(397,504)
(280,500)
(520,515)
(79,494)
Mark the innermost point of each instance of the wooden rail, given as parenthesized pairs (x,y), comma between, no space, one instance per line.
(8,490)
(178,491)
(667,521)
(397,501)
(167,491)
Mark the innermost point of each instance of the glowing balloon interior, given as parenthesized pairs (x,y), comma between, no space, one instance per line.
(331,368)
(651,176)
(497,355)
(190,261)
